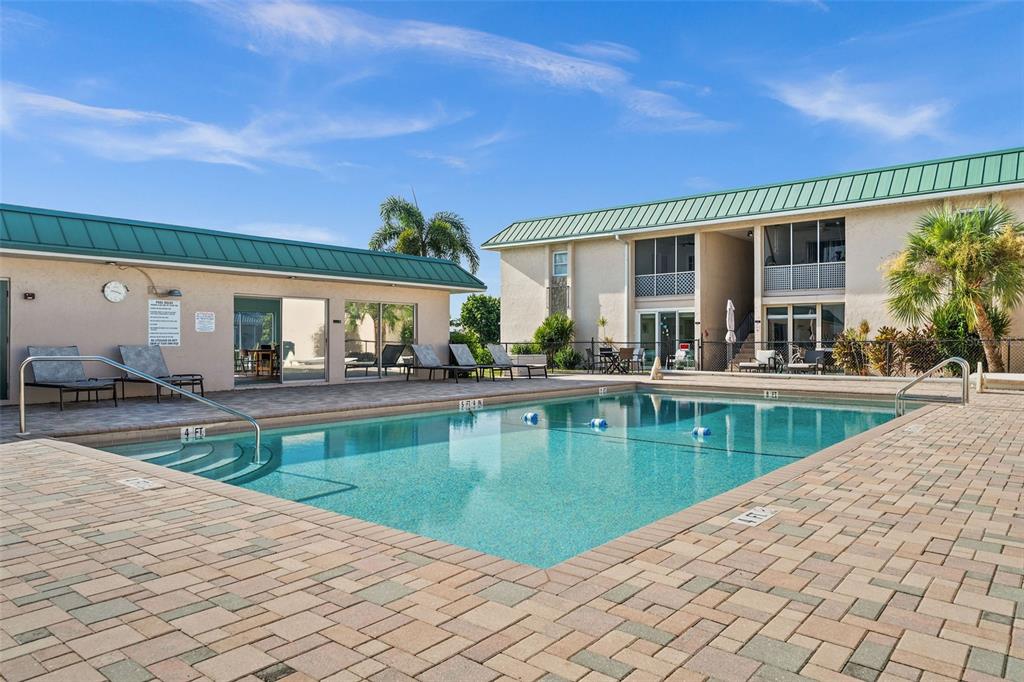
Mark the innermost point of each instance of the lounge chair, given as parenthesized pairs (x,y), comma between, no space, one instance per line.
(806,361)
(464,358)
(763,361)
(426,359)
(391,356)
(363,361)
(502,359)
(150,359)
(67,376)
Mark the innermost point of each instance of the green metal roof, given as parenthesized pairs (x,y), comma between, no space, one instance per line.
(990,169)
(36,229)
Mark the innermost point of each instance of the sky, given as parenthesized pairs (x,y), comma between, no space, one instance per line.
(295,119)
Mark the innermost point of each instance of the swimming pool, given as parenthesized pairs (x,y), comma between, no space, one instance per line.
(537,494)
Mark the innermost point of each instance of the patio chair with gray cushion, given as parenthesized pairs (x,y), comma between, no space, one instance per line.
(150,359)
(806,361)
(67,376)
(426,359)
(764,360)
(464,358)
(502,359)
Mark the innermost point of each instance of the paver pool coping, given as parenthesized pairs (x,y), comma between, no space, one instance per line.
(900,555)
(568,572)
(115,436)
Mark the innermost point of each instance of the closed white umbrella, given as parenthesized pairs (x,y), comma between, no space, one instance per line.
(730,322)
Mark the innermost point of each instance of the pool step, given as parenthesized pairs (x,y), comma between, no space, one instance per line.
(221,453)
(172,458)
(244,467)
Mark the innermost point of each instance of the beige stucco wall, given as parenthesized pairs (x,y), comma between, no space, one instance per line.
(599,279)
(874,235)
(524,274)
(69,309)
(725,271)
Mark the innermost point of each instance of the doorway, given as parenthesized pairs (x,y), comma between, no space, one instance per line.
(662,332)
(279,340)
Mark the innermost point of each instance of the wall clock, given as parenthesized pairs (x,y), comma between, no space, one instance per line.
(115,291)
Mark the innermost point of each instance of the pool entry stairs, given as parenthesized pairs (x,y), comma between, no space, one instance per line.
(219,460)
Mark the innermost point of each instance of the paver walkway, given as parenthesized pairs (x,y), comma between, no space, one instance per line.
(262,403)
(898,554)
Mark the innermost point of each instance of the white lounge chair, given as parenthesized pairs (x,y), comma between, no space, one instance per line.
(764,360)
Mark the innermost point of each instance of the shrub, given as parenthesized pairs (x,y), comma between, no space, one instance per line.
(849,351)
(918,349)
(525,349)
(884,352)
(480,353)
(568,358)
(554,333)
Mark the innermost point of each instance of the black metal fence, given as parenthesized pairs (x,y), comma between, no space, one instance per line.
(903,357)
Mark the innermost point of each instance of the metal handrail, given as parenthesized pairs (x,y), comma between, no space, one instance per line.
(965,371)
(134,372)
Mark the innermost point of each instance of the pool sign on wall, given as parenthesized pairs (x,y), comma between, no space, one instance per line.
(206,322)
(164,322)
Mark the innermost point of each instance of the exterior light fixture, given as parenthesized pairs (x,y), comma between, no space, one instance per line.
(173,293)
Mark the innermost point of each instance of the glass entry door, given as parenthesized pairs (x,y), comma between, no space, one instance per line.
(303,339)
(662,331)
(778,330)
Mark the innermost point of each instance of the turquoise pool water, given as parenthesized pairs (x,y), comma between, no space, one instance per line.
(536,494)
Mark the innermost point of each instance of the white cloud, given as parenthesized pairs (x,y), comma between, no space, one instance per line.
(702,90)
(605,49)
(138,135)
(450,160)
(309,31)
(295,231)
(870,107)
(819,5)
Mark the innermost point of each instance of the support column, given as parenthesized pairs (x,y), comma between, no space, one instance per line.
(758,282)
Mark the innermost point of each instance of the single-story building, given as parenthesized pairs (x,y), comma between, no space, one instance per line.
(800,260)
(241,310)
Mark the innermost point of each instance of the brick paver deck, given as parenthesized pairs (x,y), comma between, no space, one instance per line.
(898,554)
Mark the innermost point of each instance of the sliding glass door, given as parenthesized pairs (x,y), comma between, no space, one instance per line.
(377,334)
(662,331)
(304,339)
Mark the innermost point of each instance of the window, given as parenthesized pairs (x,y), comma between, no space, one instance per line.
(685,253)
(560,264)
(805,243)
(776,245)
(812,241)
(832,241)
(664,255)
(831,321)
(644,257)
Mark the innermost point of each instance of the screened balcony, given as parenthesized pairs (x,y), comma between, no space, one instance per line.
(805,256)
(664,266)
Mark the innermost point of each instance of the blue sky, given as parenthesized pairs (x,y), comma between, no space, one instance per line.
(295,120)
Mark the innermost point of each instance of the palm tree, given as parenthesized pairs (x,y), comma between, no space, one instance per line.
(405,230)
(971,260)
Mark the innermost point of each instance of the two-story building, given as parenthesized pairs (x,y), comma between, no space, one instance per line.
(799,260)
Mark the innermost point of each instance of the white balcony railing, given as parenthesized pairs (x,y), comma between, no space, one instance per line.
(806,276)
(665,284)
